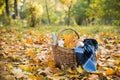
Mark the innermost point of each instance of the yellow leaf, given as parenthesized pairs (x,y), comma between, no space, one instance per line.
(30,52)
(32,77)
(35,77)
(29,41)
(112,34)
(110,71)
(15,57)
(27,68)
(117,62)
(117,55)
(70,71)
(79,69)
(9,66)
(71,45)
(118,68)
(105,34)
(98,72)
(68,42)
(41,39)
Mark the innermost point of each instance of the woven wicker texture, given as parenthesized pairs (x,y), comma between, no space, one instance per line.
(63,55)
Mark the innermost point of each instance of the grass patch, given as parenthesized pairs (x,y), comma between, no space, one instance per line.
(81,29)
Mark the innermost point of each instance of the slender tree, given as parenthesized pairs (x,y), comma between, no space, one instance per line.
(69,4)
(48,16)
(69,15)
(7,7)
(15,8)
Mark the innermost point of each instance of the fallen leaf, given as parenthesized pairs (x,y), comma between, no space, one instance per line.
(68,42)
(9,66)
(93,77)
(109,71)
(32,77)
(29,41)
(117,62)
(98,72)
(74,76)
(58,78)
(69,70)
(27,68)
(80,69)
(118,72)
(17,72)
(30,52)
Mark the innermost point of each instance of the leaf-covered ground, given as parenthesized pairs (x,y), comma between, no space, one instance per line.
(27,55)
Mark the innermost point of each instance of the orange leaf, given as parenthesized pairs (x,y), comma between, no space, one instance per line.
(29,41)
(31,53)
(51,64)
(69,40)
(110,71)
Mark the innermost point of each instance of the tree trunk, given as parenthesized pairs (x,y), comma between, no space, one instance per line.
(47,12)
(33,21)
(7,7)
(69,17)
(15,8)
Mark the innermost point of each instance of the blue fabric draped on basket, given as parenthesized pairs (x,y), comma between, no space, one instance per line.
(86,54)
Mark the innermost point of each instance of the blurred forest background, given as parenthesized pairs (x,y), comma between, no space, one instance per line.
(60,12)
(25,37)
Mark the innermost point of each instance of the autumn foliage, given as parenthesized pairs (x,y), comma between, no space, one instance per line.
(27,55)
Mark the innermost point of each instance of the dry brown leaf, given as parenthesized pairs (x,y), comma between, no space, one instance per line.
(58,78)
(93,77)
(118,73)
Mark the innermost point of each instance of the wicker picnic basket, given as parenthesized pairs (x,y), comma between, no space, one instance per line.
(63,55)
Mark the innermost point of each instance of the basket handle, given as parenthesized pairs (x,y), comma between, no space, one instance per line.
(60,33)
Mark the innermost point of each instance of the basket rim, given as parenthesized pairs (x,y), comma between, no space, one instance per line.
(63,47)
(60,33)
